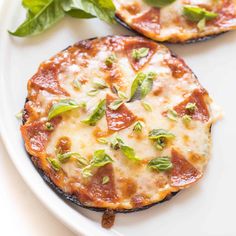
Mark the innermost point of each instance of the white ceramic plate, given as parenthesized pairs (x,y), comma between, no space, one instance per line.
(208,208)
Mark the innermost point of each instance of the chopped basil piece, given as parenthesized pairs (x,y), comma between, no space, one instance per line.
(102,140)
(99,84)
(116,142)
(93,92)
(191,107)
(105,179)
(160,163)
(159,3)
(129,153)
(138,126)
(54,164)
(76,84)
(142,85)
(110,60)
(160,137)
(116,104)
(19,115)
(172,115)
(139,53)
(49,126)
(121,95)
(100,158)
(146,106)
(96,114)
(201,24)
(186,119)
(66,156)
(62,106)
(198,14)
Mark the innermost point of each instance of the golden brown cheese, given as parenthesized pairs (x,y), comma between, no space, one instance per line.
(124,183)
(169,24)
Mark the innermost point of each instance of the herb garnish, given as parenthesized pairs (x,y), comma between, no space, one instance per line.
(138,126)
(159,3)
(42,14)
(96,114)
(54,164)
(115,104)
(100,158)
(139,53)
(63,106)
(160,163)
(105,179)
(160,137)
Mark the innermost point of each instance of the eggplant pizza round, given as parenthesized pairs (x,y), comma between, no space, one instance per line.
(177,20)
(117,123)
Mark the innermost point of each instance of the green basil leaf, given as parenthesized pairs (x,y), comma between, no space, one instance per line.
(201,24)
(100,158)
(142,85)
(116,104)
(138,126)
(186,119)
(195,14)
(97,114)
(160,133)
(172,115)
(160,137)
(63,106)
(49,126)
(116,142)
(40,17)
(77,13)
(191,107)
(110,60)
(146,106)
(99,84)
(66,156)
(139,53)
(103,9)
(160,163)
(92,92)
(105,179)
(129,153)
(159,3)
(102,140)
(54,164)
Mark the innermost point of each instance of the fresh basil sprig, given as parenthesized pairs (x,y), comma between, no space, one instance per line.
(63,106)
(96,114)
(100,158)
(42,14)
(161,137)
(160,163)
(139,53)
(142,85)
(159,3)
(54,164)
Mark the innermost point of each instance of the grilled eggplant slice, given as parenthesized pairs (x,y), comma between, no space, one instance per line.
(172,23)
(117,123)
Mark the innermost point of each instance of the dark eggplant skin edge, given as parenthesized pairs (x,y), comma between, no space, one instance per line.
(73,198)
(190,41)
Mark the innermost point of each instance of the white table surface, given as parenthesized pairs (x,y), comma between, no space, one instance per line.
(21,213)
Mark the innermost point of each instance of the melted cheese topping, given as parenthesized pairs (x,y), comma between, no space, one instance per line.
(131,179)
(174,27)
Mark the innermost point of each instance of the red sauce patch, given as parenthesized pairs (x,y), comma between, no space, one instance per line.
(99,191)
(36,135)
(108,219)
(46,79)
(148,22)
(201,112)
(183,173)
(136,44)
(120,118)
(177,66)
